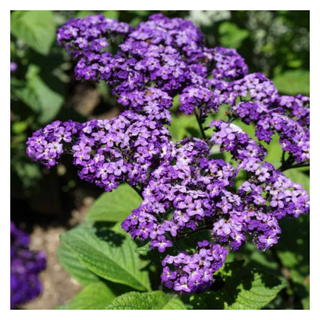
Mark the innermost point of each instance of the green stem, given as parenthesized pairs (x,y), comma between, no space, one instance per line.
(197,112)
(298,165)
(137,191)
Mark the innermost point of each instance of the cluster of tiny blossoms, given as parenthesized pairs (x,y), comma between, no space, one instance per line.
(25,268)
(183,190)
(170,54)
(48,144)
(193,273)
(125,148)
(270,113)
(233,139)
(189,192)
(255,100)
(167,53)
(106,152)
(88,36)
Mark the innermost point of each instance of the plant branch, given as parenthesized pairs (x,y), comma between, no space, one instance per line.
(197,112)
(288,164)
(298,165)
(137,191)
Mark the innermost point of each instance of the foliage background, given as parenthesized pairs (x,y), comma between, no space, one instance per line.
(43,89)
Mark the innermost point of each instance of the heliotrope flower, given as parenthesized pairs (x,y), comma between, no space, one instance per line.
(184,189)
(25,268)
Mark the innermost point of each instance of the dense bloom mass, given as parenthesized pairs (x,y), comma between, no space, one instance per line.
(25,268)
(48,144)
(193,273)
(170,54)
(184,189)
(167,53)
(106,152)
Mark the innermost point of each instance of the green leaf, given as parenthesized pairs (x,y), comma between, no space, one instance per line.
(111,14)
(141,13)
(299,177)
(135,21)
(184,126)
(244,289)
(95,296)
(74,267)
(175,105)
(115,206)
(39,97)
(84,14)
(144,249)
(108,254)
(36,28)
(293,82)
(16,84)
(156,300)
(293,251)
(19,126)
(231,36)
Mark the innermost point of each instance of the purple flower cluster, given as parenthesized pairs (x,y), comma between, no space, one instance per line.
(201,97)
(233,139)
(188,192)
(84,37)
(107,152)
(25,268)
(297,108)
(229,64)
(125,148)
(13,66)
(193,273)
(151,102)
(255,100)
(257,87)
(48,144)
(183,189)
(177,187)
(261,105)
(167,53)
(208,95)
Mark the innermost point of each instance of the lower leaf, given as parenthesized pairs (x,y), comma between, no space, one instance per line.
(156,300)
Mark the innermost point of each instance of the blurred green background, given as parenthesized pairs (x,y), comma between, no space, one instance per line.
(43,89)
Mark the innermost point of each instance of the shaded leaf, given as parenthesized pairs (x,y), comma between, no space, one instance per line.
(243,288)
(108,254)
(135,21)
(36,28)
(39,97)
